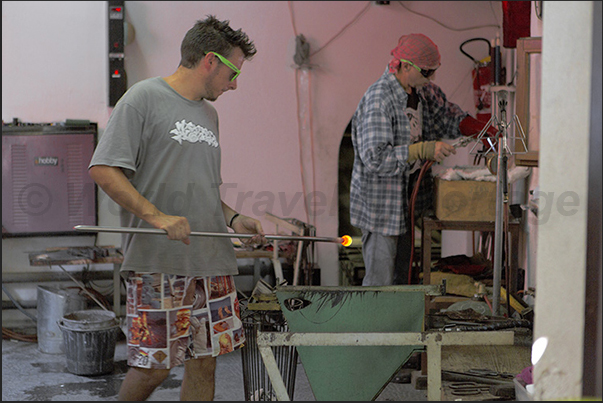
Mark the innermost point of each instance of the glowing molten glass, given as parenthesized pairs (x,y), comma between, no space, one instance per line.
(346,240)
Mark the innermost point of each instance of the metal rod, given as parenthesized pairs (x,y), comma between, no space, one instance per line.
(92,228)
(498,233)
(501,99)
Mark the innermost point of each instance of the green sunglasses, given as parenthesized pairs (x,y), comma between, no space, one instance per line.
(424,73)
(229,64)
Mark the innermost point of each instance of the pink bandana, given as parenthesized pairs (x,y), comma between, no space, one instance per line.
(418,49)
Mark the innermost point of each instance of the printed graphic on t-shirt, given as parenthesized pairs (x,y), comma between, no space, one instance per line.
(193,133)
(414,116)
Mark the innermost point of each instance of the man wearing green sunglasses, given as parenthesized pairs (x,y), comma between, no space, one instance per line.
(159,160)
(227,62)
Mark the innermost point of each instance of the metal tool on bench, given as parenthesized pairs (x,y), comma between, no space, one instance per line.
(473,376)
(345,240)
(468,388)
(490,373)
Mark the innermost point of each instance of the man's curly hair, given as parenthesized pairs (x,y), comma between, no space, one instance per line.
(213,35)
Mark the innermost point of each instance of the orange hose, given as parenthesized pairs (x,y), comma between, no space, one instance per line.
(413,199)
(489,304)
(10,334)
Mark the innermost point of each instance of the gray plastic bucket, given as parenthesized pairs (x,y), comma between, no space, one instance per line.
(53,303)
(89,337)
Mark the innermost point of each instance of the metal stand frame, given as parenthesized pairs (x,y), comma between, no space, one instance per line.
(502,98)
(432,340)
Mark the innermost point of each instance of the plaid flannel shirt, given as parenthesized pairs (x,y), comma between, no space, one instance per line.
(380,188)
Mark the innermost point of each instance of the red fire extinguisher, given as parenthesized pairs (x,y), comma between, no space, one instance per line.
(482,79)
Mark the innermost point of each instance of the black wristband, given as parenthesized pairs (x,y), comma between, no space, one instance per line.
(232,219)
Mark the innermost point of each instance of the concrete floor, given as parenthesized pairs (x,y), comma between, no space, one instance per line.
(30,375)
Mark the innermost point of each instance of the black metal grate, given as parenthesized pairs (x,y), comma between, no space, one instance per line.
(255,377)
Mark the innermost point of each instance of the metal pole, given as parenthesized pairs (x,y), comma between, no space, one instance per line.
(498,234)
(501,194)
(502,100)
(92,228)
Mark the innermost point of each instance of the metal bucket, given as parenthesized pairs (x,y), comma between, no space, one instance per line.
(53,303)
(90,319)
(89,337)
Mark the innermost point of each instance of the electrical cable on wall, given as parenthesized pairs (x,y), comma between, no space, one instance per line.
(303,85)
(356,18)
(305,124)
(446,26)
(304,120)
(302,60)
(497,26)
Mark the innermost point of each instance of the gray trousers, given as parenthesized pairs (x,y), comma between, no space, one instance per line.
(386,258)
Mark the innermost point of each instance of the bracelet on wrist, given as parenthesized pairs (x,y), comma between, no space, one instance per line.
(232,219)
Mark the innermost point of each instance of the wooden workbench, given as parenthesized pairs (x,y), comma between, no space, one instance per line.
(502,359)
(84,255)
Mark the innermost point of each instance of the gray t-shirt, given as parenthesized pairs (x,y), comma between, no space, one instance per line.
(168,147)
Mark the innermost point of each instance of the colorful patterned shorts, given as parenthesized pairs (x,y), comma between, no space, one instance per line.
(173,318)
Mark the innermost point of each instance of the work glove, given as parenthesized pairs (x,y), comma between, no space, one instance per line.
(423,150)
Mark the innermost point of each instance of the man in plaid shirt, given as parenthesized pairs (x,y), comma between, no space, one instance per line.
(398,125)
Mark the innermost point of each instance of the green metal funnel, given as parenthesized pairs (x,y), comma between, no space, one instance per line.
(352,372)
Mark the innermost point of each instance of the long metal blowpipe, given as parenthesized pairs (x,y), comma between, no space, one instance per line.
(344,240)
